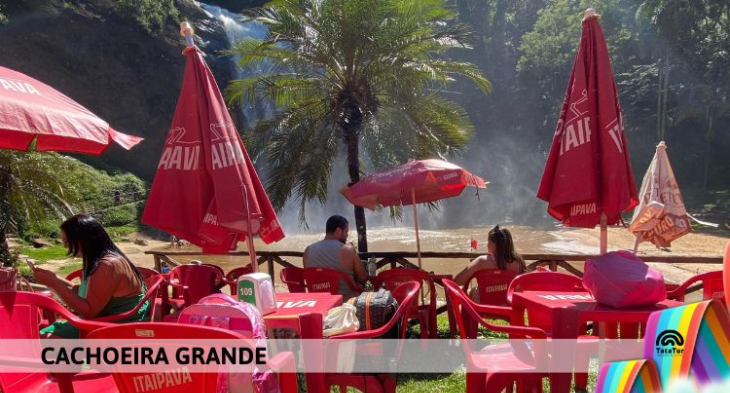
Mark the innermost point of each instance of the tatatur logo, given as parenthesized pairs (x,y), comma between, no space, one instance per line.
(669,342)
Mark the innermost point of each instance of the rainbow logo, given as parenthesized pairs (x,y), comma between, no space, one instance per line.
(692,339)
(631,376)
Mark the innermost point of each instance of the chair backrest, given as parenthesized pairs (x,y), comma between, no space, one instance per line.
(153,284)
(233,275)
(200,279)
(392,278)
(545,281)
(75,275)
(19,318)
(712,286)
(293,277)
(463,305)
(319,279)
(187,381)
(492,285)
(146,273)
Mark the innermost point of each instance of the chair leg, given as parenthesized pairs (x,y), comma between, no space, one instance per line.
(476,382)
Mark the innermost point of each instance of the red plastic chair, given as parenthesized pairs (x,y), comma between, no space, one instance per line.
(194,282)
(20,318)
(293,277)
(491,289)
(712,287)
(318,279)
(233,275)
(153,283)
(424,313)
(201,381)
(543,281)
(406,295)
(504,358)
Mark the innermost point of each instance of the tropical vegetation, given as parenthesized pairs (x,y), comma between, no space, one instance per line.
(360,77)
(39,190)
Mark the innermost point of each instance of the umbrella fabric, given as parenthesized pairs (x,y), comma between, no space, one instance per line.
(206,186)
(432,180)
(32,110)
(588,170)
(661,217)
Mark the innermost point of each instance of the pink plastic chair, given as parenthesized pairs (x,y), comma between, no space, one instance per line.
(20,318)
(424,313)
(491,289)
(201,382)
(405,294)
(496,357)
(293,277)
(712,287)
(233,275)
(317,279)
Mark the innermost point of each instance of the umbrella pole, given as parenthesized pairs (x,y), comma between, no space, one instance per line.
(636,244)
(249,236)
(604,233)
(415,217)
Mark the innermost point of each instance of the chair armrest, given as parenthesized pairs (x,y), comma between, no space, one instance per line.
(185,290)
(83,325)
(493,310)
(285,367)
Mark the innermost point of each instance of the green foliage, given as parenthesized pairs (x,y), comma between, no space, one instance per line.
(150,14)
(46,253)
(3,17)
(352,73)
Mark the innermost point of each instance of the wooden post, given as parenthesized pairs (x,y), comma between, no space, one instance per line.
(157,263)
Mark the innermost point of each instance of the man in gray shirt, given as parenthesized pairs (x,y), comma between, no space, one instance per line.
(334,253)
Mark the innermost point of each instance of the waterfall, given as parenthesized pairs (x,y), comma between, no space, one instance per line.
(236,30)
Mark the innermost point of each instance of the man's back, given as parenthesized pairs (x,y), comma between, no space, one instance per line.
(327,254)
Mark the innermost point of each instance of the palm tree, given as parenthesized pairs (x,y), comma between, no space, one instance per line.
(346,74)
(31,189)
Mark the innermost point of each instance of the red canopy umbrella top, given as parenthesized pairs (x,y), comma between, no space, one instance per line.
(32,110)
(588,172)
(206,189)
(432,180)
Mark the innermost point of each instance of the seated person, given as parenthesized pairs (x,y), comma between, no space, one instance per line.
(502,255)
(111,284)
(333,253)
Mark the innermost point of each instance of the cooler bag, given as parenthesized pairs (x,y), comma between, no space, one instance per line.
(374,309)
(621,279)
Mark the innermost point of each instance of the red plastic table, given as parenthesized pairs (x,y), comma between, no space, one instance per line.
(310,308)
(570,310)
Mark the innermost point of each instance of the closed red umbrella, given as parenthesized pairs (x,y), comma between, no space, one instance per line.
(414,182)
(588,178)
(32,110)
(206,189)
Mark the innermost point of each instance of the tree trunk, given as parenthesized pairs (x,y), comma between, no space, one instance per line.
(5,216)
(353,168)
(708,141)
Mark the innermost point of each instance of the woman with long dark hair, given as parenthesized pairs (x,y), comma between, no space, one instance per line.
(502,256)
(110,284)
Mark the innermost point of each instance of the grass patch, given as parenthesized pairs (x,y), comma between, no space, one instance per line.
(69,267)
(45,254)
(121,232)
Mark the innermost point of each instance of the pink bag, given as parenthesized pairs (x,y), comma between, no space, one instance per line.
(621,279)
(222,311)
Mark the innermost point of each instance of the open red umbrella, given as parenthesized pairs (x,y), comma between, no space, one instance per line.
(206,189)
(32,110)
(414,182)
(588,178)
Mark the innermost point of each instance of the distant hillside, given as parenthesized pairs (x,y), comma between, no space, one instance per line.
(111,64)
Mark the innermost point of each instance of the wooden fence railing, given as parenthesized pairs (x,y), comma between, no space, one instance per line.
(403,259)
